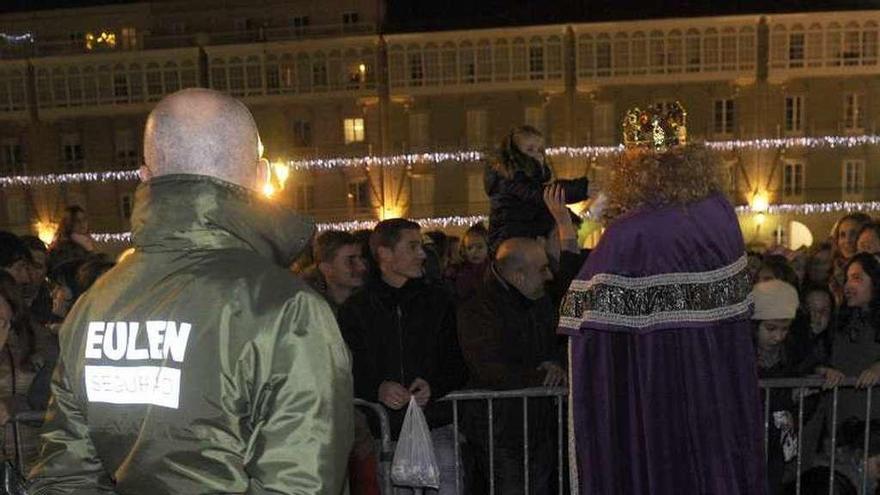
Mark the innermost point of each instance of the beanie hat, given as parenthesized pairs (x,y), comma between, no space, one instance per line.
(774,300)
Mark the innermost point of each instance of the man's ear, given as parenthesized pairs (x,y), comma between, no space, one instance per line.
(264,173)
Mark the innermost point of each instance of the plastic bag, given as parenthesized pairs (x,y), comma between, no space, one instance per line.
(414,461)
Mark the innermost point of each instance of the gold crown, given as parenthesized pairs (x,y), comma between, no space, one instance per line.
(655,128)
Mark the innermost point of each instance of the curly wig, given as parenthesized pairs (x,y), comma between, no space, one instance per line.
(680,176)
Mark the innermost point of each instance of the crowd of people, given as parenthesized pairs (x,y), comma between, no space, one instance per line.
(425,313)
(38,286)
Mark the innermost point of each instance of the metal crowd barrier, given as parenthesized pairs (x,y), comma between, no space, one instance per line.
(386,454)
(560,396)
(559,393)
(803,385)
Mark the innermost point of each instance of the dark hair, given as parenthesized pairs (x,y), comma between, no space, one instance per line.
(68,221)
(871,266)
(870,226)
(477,229)
(856,216)
(34,243)
(511,159)
(11,292)
(781,269)
(88,273)
(441,242)
(388,232)
(12,249)
(328,243)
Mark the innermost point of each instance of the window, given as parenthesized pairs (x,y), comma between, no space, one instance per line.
(535,118)
(72,152)
(126,153)
(350,18)
(536,61)
(796,43)
(129,38)
(418,130)
(354,130)
(603,58)
(853,177)
(603,123)
(477,129)
(854,112)
(724,116)
(359,194)
(319,73)
(299,23)
(302,133)
(126,206)
(245,24)
(11,159)
(416,69)
(304,197)
(120,87)
(793,179)
(794,114)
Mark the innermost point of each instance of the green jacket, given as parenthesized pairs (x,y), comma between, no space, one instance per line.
(200,364)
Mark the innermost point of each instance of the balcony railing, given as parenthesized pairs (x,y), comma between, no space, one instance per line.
(148,41)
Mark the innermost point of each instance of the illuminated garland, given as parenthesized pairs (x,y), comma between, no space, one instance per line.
(54,179)
(14,39)
(814,208)
(459,157)
(439,223)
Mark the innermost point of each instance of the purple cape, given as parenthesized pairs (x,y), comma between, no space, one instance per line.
(664,388)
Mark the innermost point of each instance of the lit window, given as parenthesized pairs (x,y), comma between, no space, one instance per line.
(794,113)
(853,177)
(72,152)
(106,39)
(724,116)
(853,112)
(354,130)
(793,179)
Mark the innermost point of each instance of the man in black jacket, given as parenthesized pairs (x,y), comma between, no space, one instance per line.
(403,339)
(507,334)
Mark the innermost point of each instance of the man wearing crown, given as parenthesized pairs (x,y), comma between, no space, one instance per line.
(664,391)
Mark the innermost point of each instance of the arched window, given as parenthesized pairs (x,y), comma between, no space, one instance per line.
(218,75)
(467,64)
(585,59)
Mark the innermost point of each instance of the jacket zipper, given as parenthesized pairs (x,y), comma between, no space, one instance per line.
(400,342)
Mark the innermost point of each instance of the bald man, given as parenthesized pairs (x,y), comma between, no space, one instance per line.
(199,364)
(507,336)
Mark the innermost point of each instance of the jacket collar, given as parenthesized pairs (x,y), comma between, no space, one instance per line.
(194,212)
(498,285)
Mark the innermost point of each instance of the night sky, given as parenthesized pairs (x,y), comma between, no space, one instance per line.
(417,15)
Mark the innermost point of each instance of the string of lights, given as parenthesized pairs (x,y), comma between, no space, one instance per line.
(468,220)
(813,208)
(14,39)
(459,158)
(74,178)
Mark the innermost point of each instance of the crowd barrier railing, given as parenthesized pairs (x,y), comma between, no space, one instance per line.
(800,388)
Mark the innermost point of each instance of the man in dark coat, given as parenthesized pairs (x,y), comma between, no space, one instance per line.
(507,334)
(402,335)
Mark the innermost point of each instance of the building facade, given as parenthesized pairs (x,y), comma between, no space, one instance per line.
(323,80)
